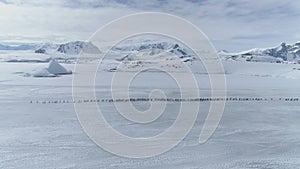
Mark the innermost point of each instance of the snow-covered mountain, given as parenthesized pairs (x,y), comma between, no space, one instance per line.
(127,49)
(78,46)
(169,55)
(47,48)
(43,52)
(281,53)
(158,47)
(71,48)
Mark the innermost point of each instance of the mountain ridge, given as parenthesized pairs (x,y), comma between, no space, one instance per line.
(281,53)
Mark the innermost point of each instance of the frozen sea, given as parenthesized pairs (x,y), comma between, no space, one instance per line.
(251,135)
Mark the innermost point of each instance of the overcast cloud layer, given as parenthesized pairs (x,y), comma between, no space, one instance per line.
(231,24)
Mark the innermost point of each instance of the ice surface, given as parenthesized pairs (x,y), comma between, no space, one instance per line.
(250,135)
(42,72)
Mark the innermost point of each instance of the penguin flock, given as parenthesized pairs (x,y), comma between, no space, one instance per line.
(200,99)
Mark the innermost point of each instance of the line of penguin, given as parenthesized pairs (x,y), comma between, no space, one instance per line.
(202,99)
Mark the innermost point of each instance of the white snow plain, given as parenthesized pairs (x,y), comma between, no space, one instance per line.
(250,135)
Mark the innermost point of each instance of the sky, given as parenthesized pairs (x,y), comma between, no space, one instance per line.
(233,25)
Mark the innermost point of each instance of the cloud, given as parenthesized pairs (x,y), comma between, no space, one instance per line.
(4,1)
(56,21)
(231,24)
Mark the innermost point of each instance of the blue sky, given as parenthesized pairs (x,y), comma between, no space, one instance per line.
(231,24)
